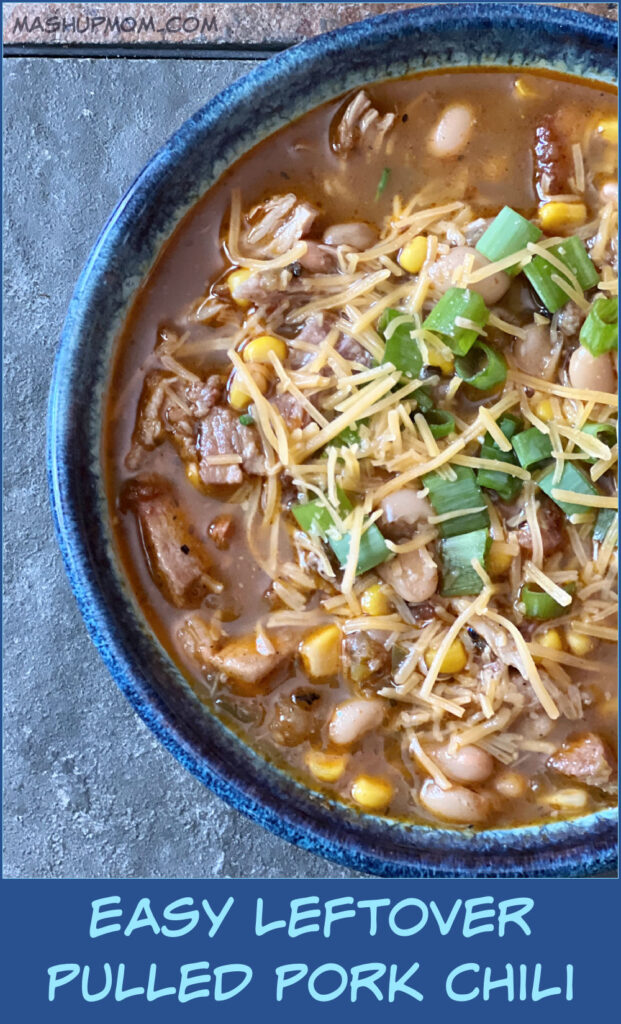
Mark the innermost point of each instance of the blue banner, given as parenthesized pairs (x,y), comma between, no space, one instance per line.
(222,950)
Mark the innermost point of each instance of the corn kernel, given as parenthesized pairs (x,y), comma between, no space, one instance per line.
(238,397)
(455,659)
(235,278)
(413,255)
(498,560)
(526,89)
(321,651)
(375,601)
(191,471)
(608,129)
(258,350)
(569,799)
(372,792)
(544,411)
(436,358)
(552,639)
(579,643)
(326,767)
(556,216)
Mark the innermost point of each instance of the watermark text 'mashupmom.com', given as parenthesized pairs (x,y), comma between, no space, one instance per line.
(102,26)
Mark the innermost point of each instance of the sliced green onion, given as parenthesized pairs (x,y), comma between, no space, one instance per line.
(539,605)
(457,302)
(453,495)
(605,519)
(372,551)
(383,182)
(315,519)
(531,447)
(509,425)
(423,400)
(509,232)
(600,330)
(482,368)
(573,254)
(401,349)
(458,576)
(441,422)
(604,432)
(246,420)
(572,479)
(507,486)
(347,437)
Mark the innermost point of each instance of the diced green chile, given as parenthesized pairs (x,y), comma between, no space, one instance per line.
(600,330)
(457,553)
(509,232)
(457,302)
(531,447)
(401,349)
(451,495)
(483,368)
(572,479)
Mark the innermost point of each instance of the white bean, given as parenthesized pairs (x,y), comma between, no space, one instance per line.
(406,506)
(412,575)
(609,192)
(491,289)
(357,234)
(457,804)
(452,132)
(468,764)
(353,718)
(534,353)
(595,373)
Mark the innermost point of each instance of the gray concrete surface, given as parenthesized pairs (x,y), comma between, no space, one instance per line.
(88,791)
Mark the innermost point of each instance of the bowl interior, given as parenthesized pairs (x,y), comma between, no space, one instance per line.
(274,93)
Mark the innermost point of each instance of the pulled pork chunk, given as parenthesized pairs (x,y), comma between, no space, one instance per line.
(295,717)
(570,319)
(269,288)
(239,660)
(169,408)
(177,561)
(292,411)
(315,330)
(586,758)
(273,227)
(360,125)
(222,433)
(552,160)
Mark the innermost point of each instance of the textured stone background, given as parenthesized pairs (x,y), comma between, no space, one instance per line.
(88,792)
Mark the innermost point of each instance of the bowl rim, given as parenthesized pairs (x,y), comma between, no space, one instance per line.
(590,843)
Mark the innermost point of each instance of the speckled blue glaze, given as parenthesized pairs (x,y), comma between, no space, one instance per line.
(285,86)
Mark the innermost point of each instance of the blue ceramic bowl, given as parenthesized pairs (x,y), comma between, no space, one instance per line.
(276,91)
